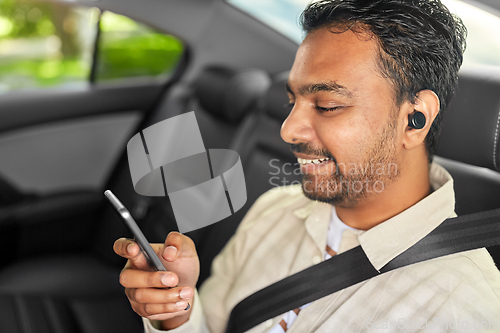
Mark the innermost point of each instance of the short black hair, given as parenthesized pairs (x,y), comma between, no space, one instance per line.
(422,44)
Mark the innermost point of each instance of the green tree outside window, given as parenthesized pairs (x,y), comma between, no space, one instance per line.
(52,45)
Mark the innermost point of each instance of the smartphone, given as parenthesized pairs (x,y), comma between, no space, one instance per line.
(139,237)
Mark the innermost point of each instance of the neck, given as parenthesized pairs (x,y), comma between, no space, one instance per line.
(411,186)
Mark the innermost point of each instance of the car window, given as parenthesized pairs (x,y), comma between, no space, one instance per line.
(483,41)
(128,49)
(45,45)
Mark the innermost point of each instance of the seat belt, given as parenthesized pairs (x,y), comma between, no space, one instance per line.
(454,235)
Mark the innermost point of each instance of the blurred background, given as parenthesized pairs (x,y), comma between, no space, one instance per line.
(45,44)
(48,44)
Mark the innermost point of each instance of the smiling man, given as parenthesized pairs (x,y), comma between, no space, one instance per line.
(368,87)
(347,110)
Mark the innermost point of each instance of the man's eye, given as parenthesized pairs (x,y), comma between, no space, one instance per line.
(321,109)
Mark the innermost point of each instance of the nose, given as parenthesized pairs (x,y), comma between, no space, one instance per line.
(297,127)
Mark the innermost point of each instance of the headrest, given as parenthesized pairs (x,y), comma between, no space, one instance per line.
(276,98)
(228,93)
(471,124)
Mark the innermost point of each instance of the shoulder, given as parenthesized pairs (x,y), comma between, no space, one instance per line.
(281,193)
(283,198)
(469,284)
(463,286)
(479,265)
(473,268)
(264,224)
(459,278)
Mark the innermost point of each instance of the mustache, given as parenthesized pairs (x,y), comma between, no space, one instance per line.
(304,148)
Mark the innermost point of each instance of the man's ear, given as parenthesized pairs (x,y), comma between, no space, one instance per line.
(426,102)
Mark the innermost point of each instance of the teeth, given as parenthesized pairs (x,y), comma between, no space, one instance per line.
(315,161)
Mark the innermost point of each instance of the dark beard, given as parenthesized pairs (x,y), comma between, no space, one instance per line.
(343,190)
(346,188)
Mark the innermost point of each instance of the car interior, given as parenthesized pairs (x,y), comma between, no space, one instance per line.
(59,271)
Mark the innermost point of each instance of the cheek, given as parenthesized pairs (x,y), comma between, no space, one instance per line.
(344,138)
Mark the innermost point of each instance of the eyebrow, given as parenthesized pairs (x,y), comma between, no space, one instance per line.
(332,87)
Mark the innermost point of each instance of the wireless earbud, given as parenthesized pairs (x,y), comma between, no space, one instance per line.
(416,120)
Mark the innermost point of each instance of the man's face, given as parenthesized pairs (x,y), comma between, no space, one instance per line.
(344,110)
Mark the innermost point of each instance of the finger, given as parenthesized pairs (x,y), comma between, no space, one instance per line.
(177,244)
(148,309)
(134,278)
(163,316)
(158,296)
(126,248)
(130,250)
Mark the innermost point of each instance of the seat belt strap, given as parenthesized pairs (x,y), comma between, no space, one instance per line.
(454,235)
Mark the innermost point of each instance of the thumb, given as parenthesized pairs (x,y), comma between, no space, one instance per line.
(177,245)
(129,249)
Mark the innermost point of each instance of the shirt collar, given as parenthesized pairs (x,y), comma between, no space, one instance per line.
(389,239)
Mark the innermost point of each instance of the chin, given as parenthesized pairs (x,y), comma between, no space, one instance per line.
(343,191)
(329,194)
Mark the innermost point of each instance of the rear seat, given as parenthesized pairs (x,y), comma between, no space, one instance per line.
(470,143)
(220,98)
(80,292)
(267,162)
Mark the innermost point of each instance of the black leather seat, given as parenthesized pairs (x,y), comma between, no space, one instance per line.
(61,294)
(79,292)
(267,162)
(469,144)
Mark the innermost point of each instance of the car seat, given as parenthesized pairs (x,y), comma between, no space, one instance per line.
(79,292)
(469,143)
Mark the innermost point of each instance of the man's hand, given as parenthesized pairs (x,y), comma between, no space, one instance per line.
(161,295)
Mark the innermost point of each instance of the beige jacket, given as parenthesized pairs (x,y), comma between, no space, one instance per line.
(284,233)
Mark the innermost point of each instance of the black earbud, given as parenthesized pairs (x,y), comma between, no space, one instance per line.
(416,120)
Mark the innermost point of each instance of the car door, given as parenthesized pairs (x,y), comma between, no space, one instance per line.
(75,83)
